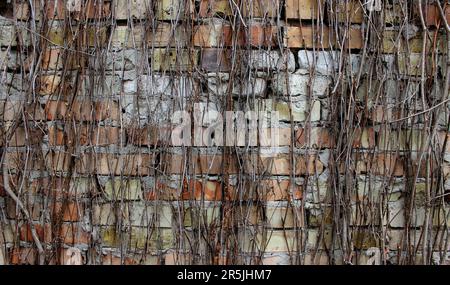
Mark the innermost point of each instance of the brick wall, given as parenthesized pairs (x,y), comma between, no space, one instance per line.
(89,97)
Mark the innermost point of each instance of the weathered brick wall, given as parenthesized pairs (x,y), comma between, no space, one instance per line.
(89,97)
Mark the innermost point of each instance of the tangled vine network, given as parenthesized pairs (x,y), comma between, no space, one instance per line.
(224,132)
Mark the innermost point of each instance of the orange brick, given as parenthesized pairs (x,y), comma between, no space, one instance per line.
(444,137)
(280,164)
(350,11)
(150,135)
(82,110)
(213,35)
(54,9)
(55,110)
(315,137)
(16,160)
(311,37)
(110,259)
(107,110)
(364,138)
(308,37)
(380,164)
(260,35)
(56,136)
(95,9)
(223,35)
(302,9)
(73,234)
(261,8)
(71,256)
(99,136)
(52,59)
(58,58)
(49,84)
(201,164)
(202,190)
(278,190)
(265,136)
(162,191)
(58,161)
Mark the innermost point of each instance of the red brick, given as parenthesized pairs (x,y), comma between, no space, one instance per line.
(432,14)
(202,190)
(44,233)
(23,256)
(68,212)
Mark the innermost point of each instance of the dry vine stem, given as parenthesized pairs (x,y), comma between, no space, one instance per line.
(93,93)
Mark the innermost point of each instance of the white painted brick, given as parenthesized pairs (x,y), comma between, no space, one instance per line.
(322,62)
(298,84)
(151,214)
(166,85)
(218,84)
(271,61)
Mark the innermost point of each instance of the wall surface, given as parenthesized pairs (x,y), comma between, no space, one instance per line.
(224,132)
